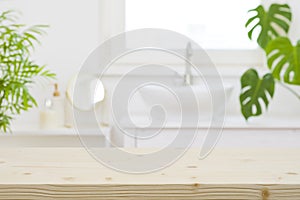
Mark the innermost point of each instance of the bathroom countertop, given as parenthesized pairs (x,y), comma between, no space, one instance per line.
(232,122)
(71,173)
(36,130)
(265,123)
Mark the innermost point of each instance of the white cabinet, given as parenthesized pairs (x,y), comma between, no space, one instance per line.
(61,137)
(230,137)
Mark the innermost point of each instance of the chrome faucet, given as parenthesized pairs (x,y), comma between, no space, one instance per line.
(188,77)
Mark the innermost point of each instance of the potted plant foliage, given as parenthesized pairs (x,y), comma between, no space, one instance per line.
(283,58)
(17,69)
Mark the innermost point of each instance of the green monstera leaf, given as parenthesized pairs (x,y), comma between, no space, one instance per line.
(271,24)
(256,91)
(284,60)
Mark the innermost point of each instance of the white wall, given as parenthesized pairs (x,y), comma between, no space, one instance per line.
(73,34)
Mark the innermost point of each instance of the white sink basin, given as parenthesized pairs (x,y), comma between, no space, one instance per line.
(185,103)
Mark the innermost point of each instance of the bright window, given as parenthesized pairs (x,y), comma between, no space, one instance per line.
(214,24)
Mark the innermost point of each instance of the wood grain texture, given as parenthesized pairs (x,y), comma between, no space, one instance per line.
(71,173)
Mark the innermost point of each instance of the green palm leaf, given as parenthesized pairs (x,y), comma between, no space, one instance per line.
(270,24)
(284,60)
(17,69)
(255,92)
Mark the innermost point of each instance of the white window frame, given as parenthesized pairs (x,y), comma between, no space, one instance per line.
(112,22)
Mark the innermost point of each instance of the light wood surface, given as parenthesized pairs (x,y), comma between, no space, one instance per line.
(71,173)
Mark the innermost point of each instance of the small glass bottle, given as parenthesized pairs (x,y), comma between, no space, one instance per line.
(48,117)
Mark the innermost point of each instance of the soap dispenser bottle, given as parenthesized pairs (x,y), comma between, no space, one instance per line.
(58,106)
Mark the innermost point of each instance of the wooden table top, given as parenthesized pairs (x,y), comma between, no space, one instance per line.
(71,173)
